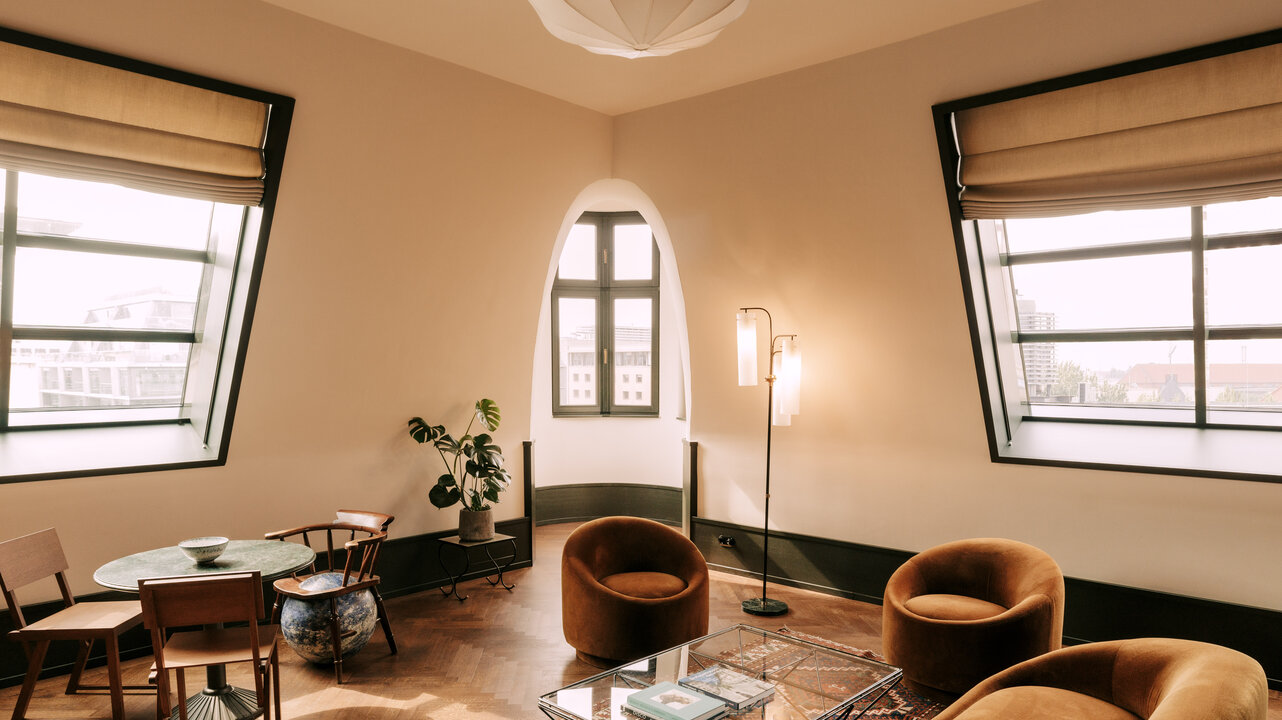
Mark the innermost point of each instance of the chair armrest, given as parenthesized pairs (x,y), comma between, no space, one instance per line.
(282,534)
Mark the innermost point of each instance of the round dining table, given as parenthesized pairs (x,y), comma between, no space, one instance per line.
(271,558)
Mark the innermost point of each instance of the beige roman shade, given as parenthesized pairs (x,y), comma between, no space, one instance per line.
(73,118)
(1200,132)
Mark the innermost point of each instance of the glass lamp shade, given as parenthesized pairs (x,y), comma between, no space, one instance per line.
(637,28)
(790,377)
(746,323)
(778,417)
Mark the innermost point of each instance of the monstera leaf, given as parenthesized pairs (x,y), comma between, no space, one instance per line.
(487,412)
(474,464)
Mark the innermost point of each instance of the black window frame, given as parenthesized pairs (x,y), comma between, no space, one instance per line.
(1099,443)
(605,290)
(209,422)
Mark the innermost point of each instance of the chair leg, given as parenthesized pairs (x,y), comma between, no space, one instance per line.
(163,708)
(276,610)
(113,677)
(181,687)
(263,680)
(276,682)
(382,618)
(338,642)
(82,657)
(35,658)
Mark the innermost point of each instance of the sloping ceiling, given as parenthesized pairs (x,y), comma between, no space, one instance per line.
(505,39)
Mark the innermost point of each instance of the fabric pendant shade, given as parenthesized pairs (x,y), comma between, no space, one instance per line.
(637,28)
(1204,131)
(73,118)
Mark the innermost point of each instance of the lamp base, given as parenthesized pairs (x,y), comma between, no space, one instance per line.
(764,606)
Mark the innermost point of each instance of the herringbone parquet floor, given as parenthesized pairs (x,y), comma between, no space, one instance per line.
(488,657)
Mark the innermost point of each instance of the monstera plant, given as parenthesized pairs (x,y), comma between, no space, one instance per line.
(474,472)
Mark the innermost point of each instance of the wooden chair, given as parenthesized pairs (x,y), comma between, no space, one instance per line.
(368,518)
(359,556)
(33,557)
(210,600)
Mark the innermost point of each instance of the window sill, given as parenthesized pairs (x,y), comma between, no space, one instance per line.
(1229,453)
(77,452)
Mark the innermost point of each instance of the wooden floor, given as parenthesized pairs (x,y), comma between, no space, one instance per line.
(488,657)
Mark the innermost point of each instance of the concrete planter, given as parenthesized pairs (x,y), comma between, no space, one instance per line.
(475,525)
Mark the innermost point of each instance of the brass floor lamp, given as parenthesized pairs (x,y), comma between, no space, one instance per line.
(780,407)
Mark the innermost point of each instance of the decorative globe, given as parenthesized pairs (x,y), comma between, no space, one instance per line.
(305,623)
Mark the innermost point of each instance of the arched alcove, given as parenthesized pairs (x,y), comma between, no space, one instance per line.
(590,466)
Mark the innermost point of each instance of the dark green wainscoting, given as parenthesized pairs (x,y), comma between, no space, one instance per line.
(1094,611)
(575,503)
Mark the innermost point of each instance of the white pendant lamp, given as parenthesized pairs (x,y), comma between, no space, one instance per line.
(637,28)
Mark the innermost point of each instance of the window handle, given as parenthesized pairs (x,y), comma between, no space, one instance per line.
(605,357)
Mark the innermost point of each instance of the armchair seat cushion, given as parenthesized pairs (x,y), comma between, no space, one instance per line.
(943,606)
(644,584)
(1045,703)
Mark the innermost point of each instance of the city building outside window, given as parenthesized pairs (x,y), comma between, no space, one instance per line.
(605,314)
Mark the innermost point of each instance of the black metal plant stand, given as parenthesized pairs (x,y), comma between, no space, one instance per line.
(465,547)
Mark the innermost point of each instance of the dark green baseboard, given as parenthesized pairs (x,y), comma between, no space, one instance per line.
(1094,611)
(406,565)
(588,501)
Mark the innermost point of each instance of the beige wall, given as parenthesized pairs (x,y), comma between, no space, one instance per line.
(416,197)
(818,194)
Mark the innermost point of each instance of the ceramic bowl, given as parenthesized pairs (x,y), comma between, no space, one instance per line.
(203,549)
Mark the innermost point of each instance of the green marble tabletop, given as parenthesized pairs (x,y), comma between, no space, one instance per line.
(272,558)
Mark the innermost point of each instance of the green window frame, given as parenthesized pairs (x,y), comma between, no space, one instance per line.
(600,350)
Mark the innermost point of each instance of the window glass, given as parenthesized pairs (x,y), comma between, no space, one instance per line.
(1244,375)
(1140,374)
(59,375)
(81,289)
(633,252)
(578,257)
(633,319)
(1245,216)
(1127,292)
(576,320)
(1101,228)
(81,209)
(1244,286)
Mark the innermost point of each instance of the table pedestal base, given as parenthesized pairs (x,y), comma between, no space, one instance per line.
(220,701)
(229,703)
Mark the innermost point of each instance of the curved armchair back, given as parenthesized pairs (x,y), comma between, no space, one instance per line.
(1152,678)
(997,570)
(612,545)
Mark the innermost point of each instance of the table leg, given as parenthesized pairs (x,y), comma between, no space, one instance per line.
(510,560)
(869,706)
(467,563)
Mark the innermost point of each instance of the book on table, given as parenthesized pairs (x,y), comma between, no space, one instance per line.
(732,687)
(670,701)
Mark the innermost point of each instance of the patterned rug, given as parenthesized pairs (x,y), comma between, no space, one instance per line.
(900,703)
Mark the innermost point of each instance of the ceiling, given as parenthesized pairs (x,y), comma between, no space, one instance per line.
(505,39)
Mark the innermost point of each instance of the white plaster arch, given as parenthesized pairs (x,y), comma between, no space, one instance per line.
(611,194)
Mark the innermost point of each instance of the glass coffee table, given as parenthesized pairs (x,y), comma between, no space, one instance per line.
(812,682)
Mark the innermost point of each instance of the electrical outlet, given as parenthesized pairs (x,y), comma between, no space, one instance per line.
(726,540)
